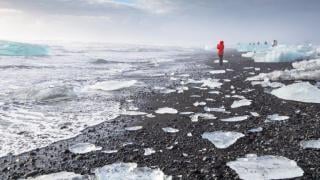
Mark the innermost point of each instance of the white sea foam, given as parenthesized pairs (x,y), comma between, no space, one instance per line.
(222,139)
(112,85)
(265,167)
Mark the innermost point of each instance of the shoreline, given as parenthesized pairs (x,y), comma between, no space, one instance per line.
(190,157)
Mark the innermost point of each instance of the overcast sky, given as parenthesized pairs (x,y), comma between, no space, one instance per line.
(170,22)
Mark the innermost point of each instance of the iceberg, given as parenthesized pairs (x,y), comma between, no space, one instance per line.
(265,167)
(8,48)
(302,92)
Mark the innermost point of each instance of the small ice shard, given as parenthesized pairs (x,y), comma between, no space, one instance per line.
(195,96)
(150,115)
(217,72)
(226,80)
(214,92)
(195,117)
(113,85)
(166,110)
(240,103)
(255,130)
(196,104)
(167,91)
(211,83)
(169,148)
(209,99)
(302,92)
(182,89)
(255,114)
(218,61)
(230,70)
(276,117)
(110,151)
(238,96)
(133,128)
(265,167)
(133,113)
(170,130)
(184,75)
(310,144)
(221,109)
(246,68)
(235,119)
(189,134)
(257,69)
(227,96)
(82,148)
(124,171)
(59,176)
(149,151)
(186,113)
(129,100)
(222,139)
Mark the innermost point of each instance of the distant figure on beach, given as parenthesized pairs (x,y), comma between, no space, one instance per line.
(220,48)
(275,43)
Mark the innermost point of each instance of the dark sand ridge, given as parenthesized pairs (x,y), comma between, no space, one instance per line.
(201,159)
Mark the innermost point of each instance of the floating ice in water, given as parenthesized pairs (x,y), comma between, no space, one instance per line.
(22,49)
(303,70)
(125,171)
(238,96)
(149,151)
(265,167)
(170,130)
(255,130)
(222,139)
(218,61)
(195,117)
(240,103)
(255,114)
(235,119)
(302,92)
(217,72)
(186,113)
(276,117)
(196,104)
(211,83)
(82,148)
(60,176)
(310,144)
(133,128)
(166,110)
(112,85)
(221,109)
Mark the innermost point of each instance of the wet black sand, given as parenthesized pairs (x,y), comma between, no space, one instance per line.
(190,157)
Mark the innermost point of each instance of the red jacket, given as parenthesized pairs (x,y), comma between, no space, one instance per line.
(220,48)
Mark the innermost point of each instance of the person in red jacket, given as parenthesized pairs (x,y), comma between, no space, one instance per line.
(220,48)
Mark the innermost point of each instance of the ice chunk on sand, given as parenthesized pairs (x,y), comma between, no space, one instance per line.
(59,176)
(276,117)
(133,128)
(133,113)
(217,72)
(255,130)
(222,139)
(149,151)
(166,110)
(218,61)
(255,114)
(211,83)
(302,91)
(124,171)
(195,117)
(310,144)
(196,104)
(110,151)
(112,85)
(214,92)
(240,103)
(170,130)
(186,113)
(82,148)
(221,109)
(267,83)
(235,119)
(238,96)
(265,167)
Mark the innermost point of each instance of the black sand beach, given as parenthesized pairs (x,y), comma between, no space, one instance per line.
(177,154)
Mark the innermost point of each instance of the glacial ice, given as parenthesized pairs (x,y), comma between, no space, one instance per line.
(310,144)
(113,85)
(196,104)
(240,103)
(265,167)
(129,171)
(302,92)
(59,176)
(235,119)
(149,151)
(166,110)
(211,83)
(8,48)
(170,130)
(82,148)
(222,139)
(276,117)
(207,116)
(133,128)
(217,72)
(220,109)
(255,130)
